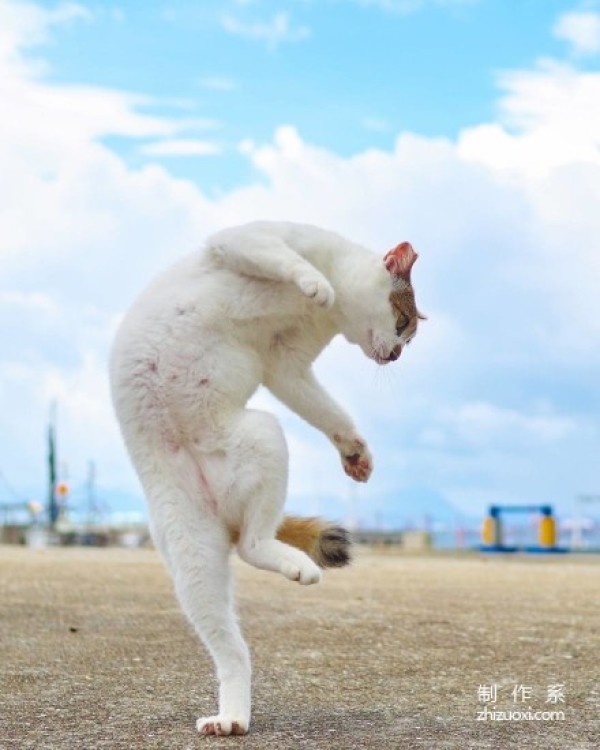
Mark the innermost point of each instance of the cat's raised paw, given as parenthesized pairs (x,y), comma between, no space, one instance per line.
(358,467)
(318,289)
(221,726)
(356,458)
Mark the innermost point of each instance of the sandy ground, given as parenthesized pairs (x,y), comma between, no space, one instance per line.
(390,653)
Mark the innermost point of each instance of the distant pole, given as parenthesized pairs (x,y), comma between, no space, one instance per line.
(53,509)
(92,505)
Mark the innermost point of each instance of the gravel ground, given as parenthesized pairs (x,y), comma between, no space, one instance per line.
(395,652)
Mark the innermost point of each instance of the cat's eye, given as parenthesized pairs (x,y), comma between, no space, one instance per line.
(402,327)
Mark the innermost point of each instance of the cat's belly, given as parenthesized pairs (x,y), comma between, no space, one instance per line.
(185,386)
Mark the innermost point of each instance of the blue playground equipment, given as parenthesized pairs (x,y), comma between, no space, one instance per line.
(492,537)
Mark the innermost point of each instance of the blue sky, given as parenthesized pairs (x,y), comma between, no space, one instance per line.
(348,74)
(132,130)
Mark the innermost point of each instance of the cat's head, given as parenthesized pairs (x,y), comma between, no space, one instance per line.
(391,320)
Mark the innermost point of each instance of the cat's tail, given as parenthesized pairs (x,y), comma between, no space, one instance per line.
(323,541)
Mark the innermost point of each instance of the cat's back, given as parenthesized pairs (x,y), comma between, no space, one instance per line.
(171,294)
(308,240)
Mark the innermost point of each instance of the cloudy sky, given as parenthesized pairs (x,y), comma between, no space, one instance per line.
(130,130)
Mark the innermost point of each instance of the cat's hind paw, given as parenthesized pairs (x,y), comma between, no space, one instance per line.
(221,726)
(306,573)
(318,289)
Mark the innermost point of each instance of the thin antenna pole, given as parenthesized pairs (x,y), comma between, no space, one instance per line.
(92,505)
(53,509)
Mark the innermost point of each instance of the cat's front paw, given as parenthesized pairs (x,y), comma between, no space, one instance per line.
(358,466)
(318,289)
(356,457)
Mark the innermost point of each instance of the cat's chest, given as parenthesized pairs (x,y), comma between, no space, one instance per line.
(300,339)
(282,338)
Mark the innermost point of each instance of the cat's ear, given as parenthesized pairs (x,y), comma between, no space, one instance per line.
(400,261)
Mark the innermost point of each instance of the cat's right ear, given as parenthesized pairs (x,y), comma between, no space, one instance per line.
(400,261)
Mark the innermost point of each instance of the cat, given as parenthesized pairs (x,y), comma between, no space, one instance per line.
(256,305)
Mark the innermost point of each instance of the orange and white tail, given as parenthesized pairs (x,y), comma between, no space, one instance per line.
(326,543)
(323,541)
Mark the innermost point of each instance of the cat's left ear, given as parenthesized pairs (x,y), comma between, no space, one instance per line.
(400,261)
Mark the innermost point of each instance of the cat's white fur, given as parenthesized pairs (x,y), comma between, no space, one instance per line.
(255,306)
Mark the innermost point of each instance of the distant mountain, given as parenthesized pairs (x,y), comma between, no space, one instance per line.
(415,507)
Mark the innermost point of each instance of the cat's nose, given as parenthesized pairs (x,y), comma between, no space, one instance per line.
(395,353)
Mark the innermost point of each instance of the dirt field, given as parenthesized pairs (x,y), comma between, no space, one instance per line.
(395,652)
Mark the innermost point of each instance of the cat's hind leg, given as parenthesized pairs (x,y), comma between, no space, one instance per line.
(259,459)
(196,547)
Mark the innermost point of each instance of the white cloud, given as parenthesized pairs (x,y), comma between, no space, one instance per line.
(547,147)
(550,117)
(278,30)
(54,167)
(480,423)
(409,6)
(26,25)
(181,147)
(28,301)
(581,29)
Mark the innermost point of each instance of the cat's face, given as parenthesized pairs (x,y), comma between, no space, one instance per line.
(391,320)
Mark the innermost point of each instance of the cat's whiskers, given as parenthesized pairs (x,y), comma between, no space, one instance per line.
(384,378)
(379,376)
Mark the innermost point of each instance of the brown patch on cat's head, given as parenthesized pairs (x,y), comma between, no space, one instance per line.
(405,309)
(399,263)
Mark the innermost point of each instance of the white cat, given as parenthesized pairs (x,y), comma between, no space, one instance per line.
(255,306)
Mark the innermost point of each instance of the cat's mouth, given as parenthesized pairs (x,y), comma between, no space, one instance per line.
(383,357)
(391,357)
